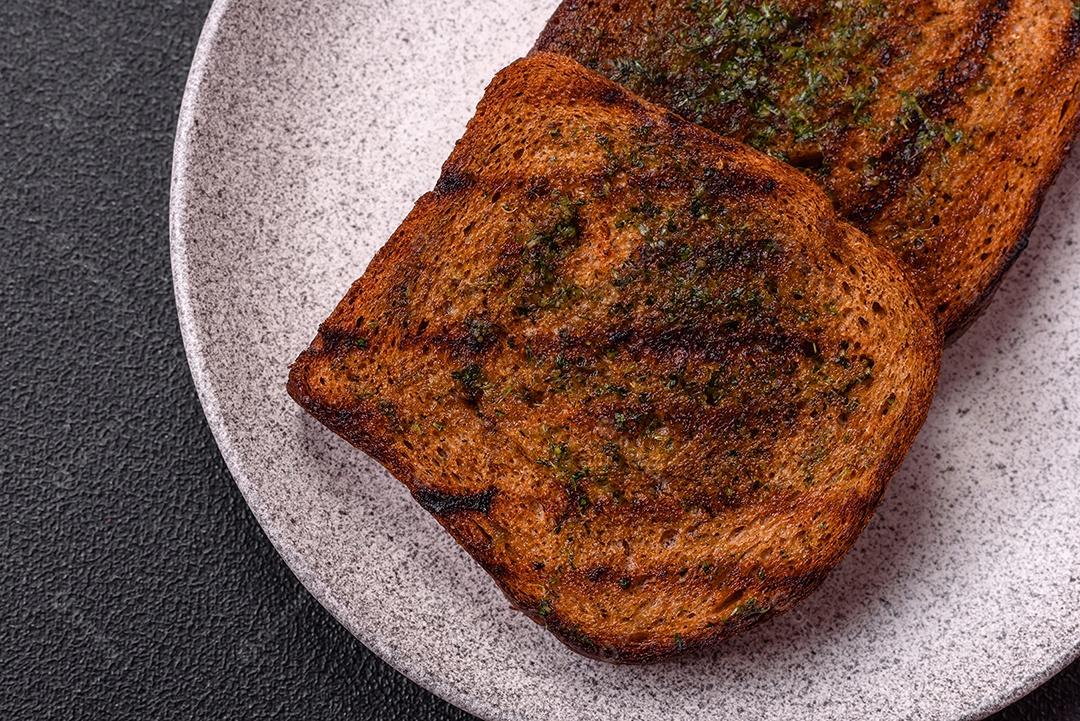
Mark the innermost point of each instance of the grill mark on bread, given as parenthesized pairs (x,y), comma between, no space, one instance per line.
(710,340)
(612,96)
(475,337)
(903,160)
(439,503)
(718,179)
(451,182)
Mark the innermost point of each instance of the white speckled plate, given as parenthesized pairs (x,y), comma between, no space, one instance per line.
(308,130)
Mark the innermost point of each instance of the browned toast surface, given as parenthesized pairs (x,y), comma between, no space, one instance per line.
(640,372)
(936,126)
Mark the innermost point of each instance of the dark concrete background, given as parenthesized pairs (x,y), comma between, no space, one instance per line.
(135,583)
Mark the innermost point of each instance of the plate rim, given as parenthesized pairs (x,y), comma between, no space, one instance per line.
(180,201)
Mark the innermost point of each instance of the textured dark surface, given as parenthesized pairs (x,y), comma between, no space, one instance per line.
(135,582)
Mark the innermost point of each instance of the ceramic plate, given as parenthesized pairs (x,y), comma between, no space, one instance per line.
(308,130)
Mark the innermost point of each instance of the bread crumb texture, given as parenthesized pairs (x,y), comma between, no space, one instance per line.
(641,373)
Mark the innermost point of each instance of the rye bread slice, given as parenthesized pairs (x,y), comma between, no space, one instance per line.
(642,374)
(936,127)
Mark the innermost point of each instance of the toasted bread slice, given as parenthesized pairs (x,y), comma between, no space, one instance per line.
(641,373)
(936,127)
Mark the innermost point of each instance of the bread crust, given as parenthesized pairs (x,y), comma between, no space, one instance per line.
(641,373)
(936,127)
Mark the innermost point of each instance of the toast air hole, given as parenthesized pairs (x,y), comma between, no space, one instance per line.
(729,601)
